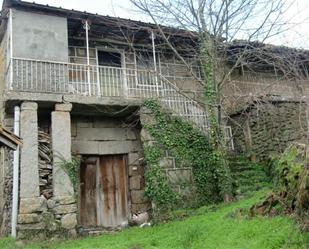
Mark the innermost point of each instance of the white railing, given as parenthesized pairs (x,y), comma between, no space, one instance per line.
(102,81)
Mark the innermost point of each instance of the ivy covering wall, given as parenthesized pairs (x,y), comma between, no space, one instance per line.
(190,147)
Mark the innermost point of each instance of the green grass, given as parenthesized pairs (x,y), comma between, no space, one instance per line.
(209,227)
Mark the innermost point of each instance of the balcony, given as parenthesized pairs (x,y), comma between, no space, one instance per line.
(36,76)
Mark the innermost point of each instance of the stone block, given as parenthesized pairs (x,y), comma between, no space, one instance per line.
(72,233)
(63,107)
(69,221)
(118,147)
(139,208)
(32,205)
(179,176)
(130,134)
(51,203)
(29,106)
(138,197)
(134,158)
(150,143)
(65,200)
(85,147)
(167,162)
(84,123)
(31,226)
(28,218)
(135,170)
(145,111)
(147,119)
(186,191)
(135,182)
(145,136)
(106,123)
(65,209)
(102,134)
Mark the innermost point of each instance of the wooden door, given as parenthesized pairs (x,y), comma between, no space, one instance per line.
(104,191)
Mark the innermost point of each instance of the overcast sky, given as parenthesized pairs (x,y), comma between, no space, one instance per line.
(297,36)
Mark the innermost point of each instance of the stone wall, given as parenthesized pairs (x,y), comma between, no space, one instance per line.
(178,175)
(106,136)
(268,127)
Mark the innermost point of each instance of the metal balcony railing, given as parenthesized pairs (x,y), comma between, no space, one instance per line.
(26,75)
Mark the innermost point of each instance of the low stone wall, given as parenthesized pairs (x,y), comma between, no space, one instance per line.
(40,217)
(269,127)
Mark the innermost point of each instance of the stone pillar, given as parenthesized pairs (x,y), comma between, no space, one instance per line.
(61,145)
(29,172)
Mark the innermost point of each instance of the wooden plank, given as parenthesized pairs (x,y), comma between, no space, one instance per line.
(114,190)
(8,143)
(88,209)
(10,135)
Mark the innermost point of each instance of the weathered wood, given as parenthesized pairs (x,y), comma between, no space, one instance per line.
(88,209)
(114,190)
(104,191)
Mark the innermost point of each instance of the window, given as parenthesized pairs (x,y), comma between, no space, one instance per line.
(112,59)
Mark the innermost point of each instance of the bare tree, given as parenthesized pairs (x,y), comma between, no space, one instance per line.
(213,25)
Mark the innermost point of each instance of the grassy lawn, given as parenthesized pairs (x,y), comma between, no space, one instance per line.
(216,227)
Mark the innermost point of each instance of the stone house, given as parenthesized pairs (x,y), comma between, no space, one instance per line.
(76,81)
(266,98)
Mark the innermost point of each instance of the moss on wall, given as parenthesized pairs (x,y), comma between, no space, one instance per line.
(267,128)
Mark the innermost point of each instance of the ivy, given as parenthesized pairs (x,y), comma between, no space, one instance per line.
(157,186)
(71,169)
(192,148)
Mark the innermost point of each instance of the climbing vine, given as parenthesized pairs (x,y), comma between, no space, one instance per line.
(71,169)
(192,148)
(157,186)
(211,90)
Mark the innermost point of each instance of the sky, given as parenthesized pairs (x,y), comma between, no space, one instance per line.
(296,36)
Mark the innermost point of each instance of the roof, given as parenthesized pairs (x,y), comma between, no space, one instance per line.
(261,57)
(255,56)
(9,139)
(94,17)
(114,28)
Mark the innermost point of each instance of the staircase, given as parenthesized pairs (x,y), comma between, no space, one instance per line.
(248,176)
(172,98)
